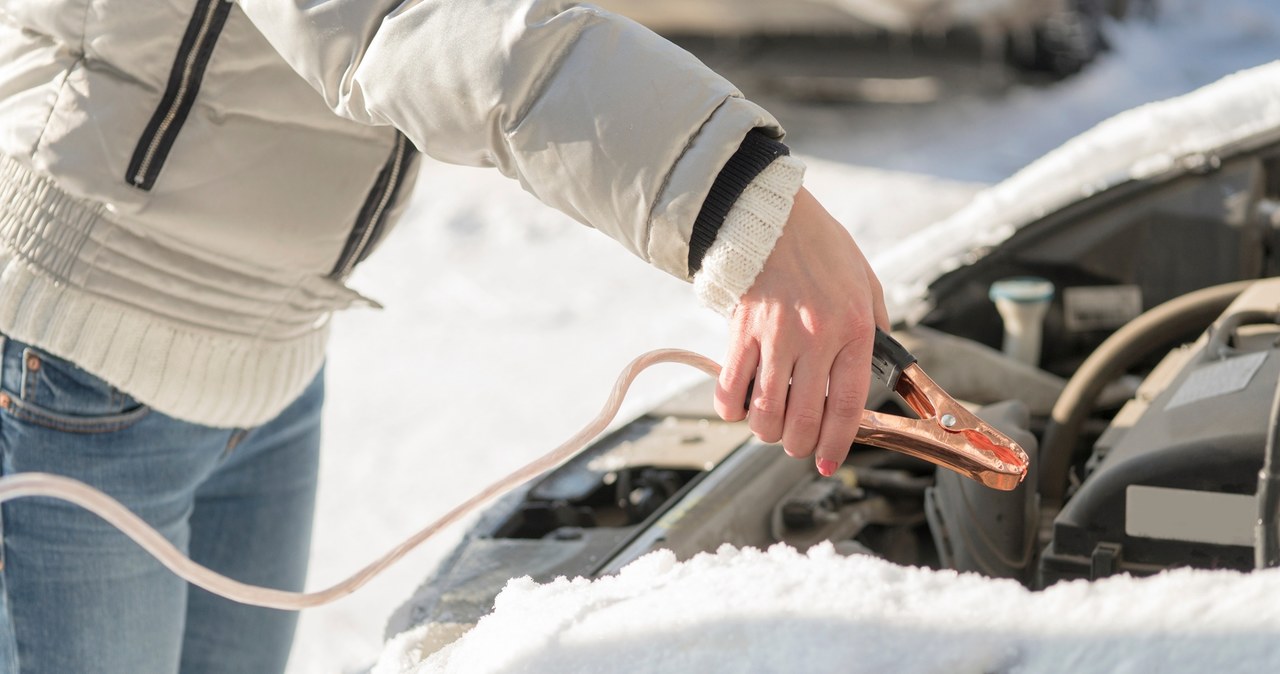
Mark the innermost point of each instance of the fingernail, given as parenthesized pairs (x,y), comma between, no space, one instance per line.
(827,467)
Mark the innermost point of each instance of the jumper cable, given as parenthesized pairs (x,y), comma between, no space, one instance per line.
(946,434)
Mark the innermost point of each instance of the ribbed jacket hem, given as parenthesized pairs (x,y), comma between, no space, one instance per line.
(232,351)
(209,379)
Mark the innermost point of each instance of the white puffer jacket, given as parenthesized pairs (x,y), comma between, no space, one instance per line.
(179,204)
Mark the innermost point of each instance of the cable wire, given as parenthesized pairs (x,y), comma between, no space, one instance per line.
(44,484)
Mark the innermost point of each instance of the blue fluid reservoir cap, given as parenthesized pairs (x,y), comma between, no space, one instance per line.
(1022,289)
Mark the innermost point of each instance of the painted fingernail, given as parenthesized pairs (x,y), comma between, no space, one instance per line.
(827,467)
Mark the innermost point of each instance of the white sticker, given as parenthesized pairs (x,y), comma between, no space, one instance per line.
(1187,515)
(1218,377)
(1100,307)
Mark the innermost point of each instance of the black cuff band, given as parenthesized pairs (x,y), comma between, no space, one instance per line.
(757,151)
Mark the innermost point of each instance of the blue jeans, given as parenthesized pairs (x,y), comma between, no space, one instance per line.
(78,596)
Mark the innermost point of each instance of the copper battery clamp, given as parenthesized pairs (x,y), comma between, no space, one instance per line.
(945,434)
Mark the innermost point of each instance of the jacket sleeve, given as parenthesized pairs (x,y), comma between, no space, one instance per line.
(592,113)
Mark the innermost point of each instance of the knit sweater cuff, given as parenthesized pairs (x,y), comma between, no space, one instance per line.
(754,155)
(748,235)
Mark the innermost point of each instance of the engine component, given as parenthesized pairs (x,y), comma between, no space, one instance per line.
(983,530)
(977,373)
(813,503)
(1171,482)
(1120,351)
(1022,302)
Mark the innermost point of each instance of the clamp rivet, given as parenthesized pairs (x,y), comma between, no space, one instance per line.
(948,420)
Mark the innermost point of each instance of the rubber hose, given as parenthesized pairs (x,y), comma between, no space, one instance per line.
(1122,350)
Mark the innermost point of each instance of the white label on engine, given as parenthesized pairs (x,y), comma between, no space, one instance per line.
(1100,307)
(1187,515)
(1216,378)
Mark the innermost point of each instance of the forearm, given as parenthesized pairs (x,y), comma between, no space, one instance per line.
(592,113)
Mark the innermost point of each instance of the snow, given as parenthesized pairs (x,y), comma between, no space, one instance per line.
(986,138)
(783,611)
(908,14)
(506,324)
(1143,143)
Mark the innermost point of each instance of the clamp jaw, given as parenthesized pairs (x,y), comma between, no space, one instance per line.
(946,433)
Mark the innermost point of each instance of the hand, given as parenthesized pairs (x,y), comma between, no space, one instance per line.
(808,322)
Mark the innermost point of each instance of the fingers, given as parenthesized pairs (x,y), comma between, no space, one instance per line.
(803,419)
(819,412)
(792,390)
(735,381)
(811,404)
(846,397)
(875,293)
(879,312)
(769,397)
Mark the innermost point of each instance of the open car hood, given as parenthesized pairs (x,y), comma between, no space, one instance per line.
(1141,148)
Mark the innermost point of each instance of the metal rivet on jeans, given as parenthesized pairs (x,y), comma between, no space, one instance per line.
(33,362)
(5,401)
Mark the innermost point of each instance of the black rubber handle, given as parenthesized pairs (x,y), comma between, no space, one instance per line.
(889,359)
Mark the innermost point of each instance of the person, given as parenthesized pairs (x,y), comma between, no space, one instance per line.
(185,187)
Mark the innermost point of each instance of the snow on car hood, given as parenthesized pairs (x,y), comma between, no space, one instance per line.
(783,611)
(1147,142)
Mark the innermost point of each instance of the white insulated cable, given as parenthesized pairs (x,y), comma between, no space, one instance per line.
(43,484)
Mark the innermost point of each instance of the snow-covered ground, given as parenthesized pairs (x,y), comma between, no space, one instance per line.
(506,322)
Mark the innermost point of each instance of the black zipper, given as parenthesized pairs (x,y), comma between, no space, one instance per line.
(373,214)
(180,94)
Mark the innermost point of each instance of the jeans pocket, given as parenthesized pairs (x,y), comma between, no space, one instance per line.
(55,393)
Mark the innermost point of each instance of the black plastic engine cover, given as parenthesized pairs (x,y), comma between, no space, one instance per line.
(1176,474)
